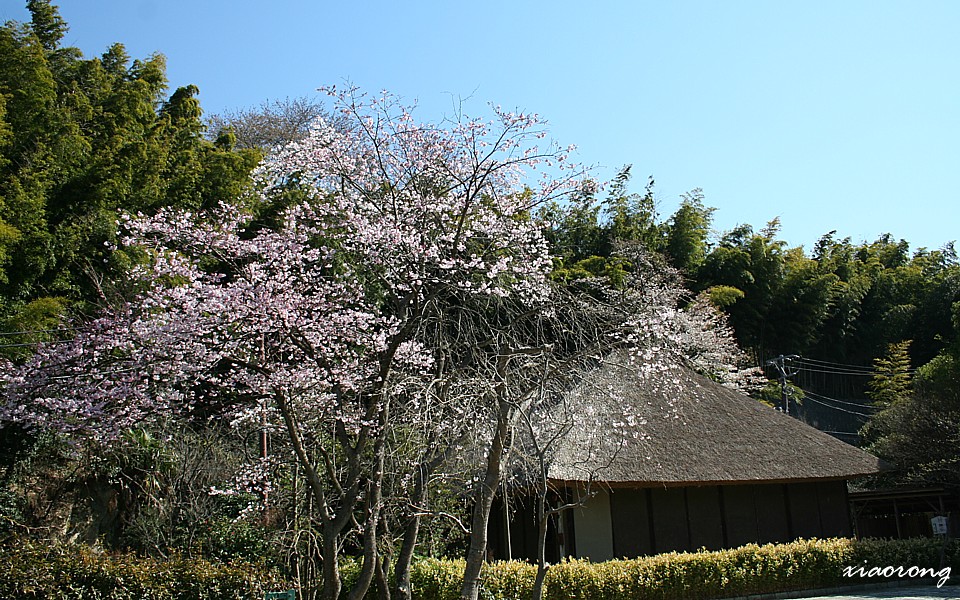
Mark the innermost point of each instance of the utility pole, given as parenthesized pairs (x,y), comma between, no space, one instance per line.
(264,434)
(785,371)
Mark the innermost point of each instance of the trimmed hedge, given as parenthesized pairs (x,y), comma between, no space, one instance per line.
(37,571)
(751,569)
(73,572)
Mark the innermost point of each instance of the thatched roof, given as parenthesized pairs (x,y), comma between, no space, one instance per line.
(691,430)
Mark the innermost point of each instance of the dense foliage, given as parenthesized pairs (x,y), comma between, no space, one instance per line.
(80,139)
(76,572)
(918,427)
(843,302)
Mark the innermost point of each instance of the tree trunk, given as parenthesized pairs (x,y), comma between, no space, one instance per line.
(405,558)
(383,577)
(331,526)
(481,510)
(542,521)
(331,567)
(543,516)
(418,503)
(537,592)
(371,550)
(370,547)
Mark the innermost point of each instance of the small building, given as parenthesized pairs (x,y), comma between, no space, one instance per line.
(904,512)
(692,464)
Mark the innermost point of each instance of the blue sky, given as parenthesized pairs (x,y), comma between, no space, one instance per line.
(831,115)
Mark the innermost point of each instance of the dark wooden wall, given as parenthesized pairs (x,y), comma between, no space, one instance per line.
(522,532)
(654,520)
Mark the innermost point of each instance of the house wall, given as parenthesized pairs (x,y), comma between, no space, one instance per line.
(630,522)
(633,535)
(706,518)
(654,520)
(516,537)
(593,528)
(773,504)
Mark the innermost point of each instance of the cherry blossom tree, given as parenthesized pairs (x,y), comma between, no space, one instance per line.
(315,325)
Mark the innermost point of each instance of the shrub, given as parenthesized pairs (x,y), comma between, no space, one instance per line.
(67,572)
(437,579)
(751,569)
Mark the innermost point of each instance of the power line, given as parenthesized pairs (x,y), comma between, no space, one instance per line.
(31,344)
(838,372)
(840,368)
(857,404)
(835,364)
(785,373)
(33,331)
(837,408)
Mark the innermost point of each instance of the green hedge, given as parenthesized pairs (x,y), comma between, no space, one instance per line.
(751,569)
(40,571)
(67,572)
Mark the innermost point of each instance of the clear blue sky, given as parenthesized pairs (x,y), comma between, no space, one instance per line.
(832,115)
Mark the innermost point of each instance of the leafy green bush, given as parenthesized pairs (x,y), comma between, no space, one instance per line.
(67,572)
(437,578)
(237,539)
(75,572)
(751,569)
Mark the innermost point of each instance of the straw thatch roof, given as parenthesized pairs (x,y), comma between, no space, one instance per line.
(684,429)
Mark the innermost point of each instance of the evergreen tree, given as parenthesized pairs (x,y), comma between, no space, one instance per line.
(630,217)
(891,381)
(752,263)
(47,23)
(919,431)
(687,233)
(80,141)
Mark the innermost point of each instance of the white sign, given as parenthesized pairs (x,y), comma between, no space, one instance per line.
(939,525)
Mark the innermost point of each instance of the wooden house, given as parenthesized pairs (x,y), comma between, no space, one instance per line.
(701,466)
